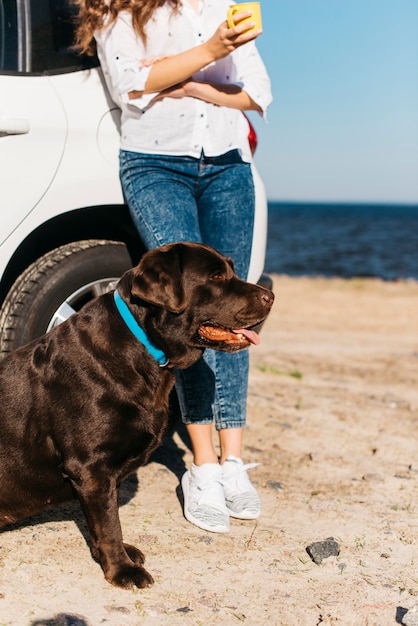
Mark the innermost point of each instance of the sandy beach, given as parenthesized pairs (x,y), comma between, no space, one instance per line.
(333,420)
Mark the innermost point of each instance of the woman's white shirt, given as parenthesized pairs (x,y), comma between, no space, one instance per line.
(179,126)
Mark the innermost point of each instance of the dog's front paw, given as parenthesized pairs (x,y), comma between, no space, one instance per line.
(134,554)
(130,576)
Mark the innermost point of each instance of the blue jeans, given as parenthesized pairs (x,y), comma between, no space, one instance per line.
(208,200)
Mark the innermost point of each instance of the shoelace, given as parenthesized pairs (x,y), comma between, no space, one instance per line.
(205,486)
(248,466)
(240,470)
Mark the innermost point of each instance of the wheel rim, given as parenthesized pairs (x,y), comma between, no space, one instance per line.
(81,296)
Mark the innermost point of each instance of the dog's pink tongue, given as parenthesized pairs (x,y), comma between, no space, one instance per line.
(251,335)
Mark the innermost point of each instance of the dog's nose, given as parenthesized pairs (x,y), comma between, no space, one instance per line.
(267,298)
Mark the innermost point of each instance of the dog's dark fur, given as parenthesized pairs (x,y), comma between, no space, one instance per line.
(86,404)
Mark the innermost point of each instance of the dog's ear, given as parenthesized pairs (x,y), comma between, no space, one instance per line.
(158,278)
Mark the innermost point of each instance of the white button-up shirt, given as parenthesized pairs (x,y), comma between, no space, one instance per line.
(183,126)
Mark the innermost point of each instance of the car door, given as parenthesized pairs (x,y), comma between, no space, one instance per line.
(32,118)
(32,139)
(36,38)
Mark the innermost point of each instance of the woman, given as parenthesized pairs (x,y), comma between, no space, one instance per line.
(182,78)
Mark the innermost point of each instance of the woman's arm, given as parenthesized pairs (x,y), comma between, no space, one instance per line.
(228,95)
(176,69)
(223,95)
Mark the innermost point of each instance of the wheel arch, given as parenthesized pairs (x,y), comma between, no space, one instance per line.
(111,222)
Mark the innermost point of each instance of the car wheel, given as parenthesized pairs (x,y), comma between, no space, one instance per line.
(57,285)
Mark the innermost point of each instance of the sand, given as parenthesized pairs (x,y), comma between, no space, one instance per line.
(333,418)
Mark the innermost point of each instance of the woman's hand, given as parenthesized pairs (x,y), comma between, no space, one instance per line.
(176,91)
(225,40)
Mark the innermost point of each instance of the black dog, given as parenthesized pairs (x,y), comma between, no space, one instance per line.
(86,404)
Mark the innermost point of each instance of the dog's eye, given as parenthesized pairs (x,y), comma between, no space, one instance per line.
(218,276)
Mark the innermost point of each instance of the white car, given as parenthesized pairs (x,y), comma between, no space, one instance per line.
(65,231)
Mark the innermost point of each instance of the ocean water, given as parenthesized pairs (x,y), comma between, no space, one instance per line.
(346,240)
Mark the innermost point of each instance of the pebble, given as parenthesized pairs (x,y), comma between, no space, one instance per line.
(411,617)
(320,550)
(373,478)
(275,485)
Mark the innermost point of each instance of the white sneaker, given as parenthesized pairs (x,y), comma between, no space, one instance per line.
(241,498)
(204,499)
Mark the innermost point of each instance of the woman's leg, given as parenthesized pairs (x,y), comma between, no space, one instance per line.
(226,217)
(230,440)
(202,443)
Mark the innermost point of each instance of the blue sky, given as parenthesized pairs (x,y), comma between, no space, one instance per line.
(344,122)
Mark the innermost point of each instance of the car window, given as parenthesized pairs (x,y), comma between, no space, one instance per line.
(37,36)
(8,35)
(53,37)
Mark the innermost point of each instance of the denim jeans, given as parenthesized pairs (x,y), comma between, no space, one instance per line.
(208,200)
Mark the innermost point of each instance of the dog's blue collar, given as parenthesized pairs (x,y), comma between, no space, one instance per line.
(136,330)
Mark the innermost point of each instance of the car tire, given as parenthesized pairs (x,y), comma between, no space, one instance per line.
(57,284)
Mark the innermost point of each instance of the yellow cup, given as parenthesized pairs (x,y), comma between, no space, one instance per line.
(255,9)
